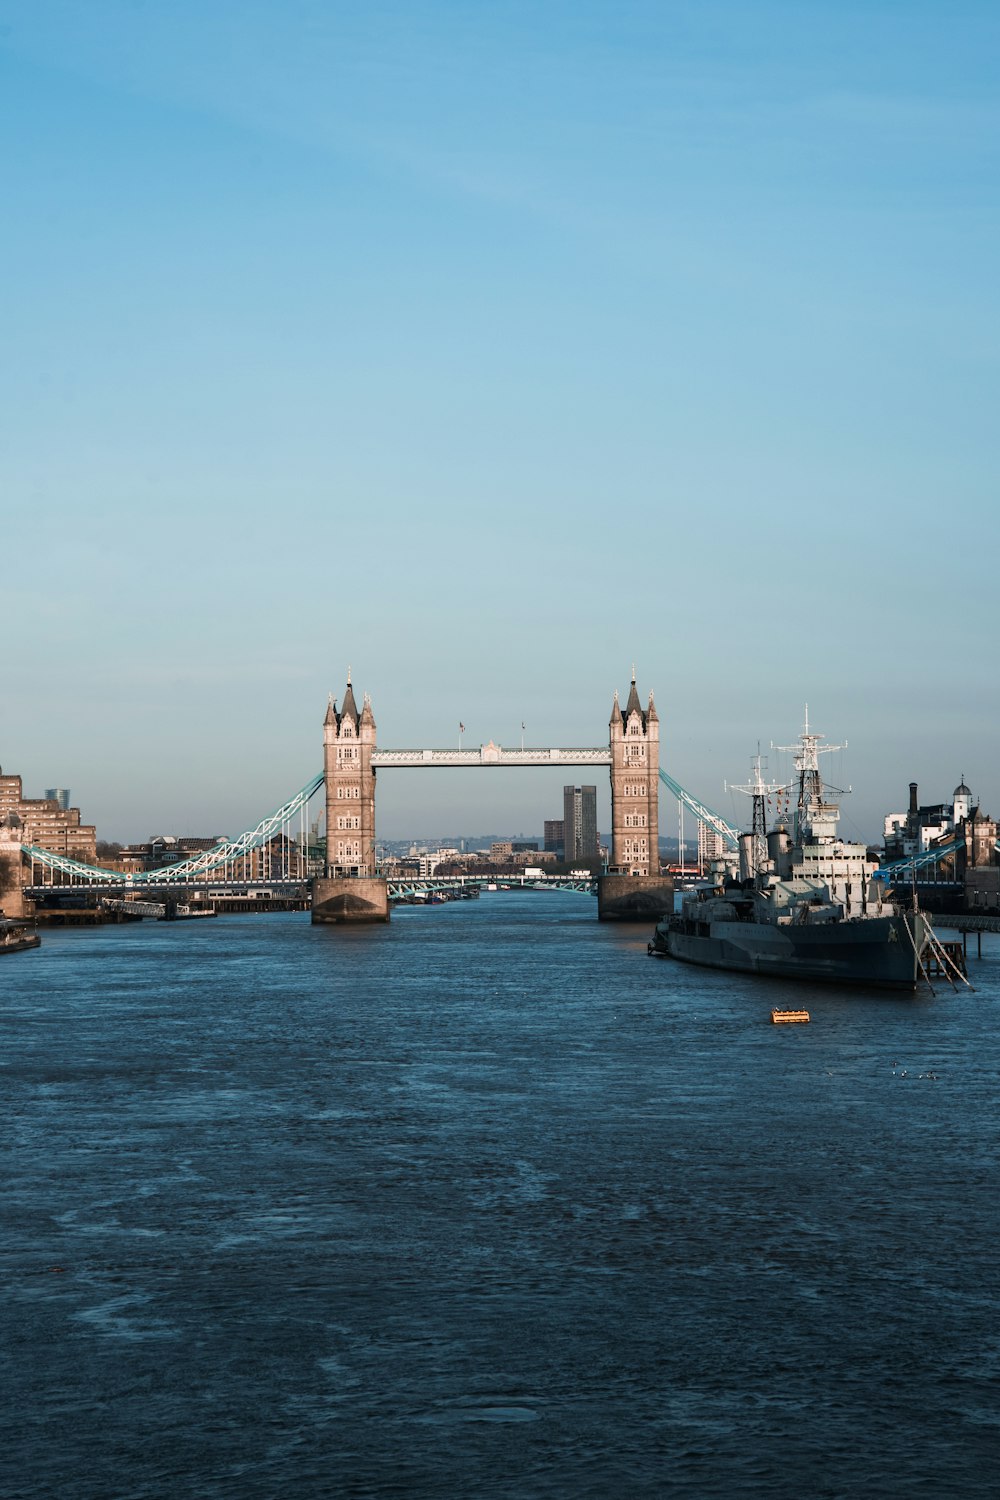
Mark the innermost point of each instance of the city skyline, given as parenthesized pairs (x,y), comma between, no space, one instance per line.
(400,798)
(490,351)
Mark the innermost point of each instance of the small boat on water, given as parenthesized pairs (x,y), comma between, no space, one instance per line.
(17,935)
(805,905)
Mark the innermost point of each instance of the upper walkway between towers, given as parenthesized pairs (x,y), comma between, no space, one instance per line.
(492,755)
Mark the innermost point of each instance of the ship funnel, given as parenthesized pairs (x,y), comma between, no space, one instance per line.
(779,852)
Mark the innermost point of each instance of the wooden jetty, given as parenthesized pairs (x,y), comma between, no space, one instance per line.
(936,960)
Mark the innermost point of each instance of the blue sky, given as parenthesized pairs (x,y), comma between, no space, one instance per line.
(490,348)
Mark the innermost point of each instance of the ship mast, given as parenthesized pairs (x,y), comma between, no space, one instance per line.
(807,753)
(759,790)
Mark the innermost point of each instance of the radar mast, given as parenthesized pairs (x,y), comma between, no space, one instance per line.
(759,790)
(807,753)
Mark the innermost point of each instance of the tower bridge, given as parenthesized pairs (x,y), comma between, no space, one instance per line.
(350,887)
(351,890)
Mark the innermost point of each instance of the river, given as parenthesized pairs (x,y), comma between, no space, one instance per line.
(486,1202)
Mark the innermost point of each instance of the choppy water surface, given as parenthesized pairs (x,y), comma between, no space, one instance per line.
(488,1203)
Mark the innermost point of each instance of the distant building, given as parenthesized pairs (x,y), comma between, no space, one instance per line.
(580,824)
(501,849)
(982,890)
(915,831)
(522,846)
(58,794)
(159,850)
(280,858)
(428,863)
(711,845)
(966,836)
(43,822)
(554,836)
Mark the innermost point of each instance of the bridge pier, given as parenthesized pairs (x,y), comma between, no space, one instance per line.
(350,898)
(634,898)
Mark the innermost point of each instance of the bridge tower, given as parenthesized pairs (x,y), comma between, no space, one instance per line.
(635,771)
(633,889)
(349,890)
(12,873)
(349,776)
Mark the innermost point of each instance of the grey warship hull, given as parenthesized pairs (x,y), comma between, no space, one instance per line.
(880,951)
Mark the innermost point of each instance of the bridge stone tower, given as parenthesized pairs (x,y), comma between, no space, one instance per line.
(635,769)
(349,891)
(12,872)
(348,743)
(633,889)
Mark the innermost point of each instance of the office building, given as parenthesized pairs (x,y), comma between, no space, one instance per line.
(580,824)
(554,840)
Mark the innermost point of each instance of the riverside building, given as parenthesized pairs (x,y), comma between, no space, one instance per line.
(43,822)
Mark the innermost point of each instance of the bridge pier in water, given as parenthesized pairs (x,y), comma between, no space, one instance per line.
(634,898)
(350,898)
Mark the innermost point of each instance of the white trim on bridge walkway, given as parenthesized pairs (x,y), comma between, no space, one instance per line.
(491,755)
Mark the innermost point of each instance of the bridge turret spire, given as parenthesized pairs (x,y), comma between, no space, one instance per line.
(331,713)
(616,712)
(633,705)
(350,708)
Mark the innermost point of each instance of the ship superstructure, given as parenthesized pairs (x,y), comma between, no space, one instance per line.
(816,852)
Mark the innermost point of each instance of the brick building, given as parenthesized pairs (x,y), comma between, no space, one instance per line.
(43,822)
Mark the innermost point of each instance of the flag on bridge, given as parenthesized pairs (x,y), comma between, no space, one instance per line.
(461,728)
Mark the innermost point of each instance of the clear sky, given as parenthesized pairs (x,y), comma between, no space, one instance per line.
(489,348)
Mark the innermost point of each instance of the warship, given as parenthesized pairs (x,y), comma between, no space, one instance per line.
(805,905)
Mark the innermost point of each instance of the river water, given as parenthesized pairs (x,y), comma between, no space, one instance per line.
(486,1202)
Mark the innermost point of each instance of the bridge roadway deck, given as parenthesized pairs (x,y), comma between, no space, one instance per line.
(291,889)
(120,894)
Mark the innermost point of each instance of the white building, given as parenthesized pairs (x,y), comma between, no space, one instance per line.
(711,845)
(914,832)
(429,862)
